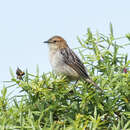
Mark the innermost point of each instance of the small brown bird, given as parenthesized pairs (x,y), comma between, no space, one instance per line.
(64,61)
(19,74)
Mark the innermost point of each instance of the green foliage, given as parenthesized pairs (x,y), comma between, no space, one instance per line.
(49,102)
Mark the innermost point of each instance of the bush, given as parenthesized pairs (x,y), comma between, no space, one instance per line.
(51,102)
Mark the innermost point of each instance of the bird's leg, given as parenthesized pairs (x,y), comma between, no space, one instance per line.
(73,89)
(75,83)
(74,86)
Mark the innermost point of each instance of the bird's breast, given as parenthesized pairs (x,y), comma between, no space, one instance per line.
(59,66)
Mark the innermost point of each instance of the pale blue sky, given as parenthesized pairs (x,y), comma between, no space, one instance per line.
(25,23)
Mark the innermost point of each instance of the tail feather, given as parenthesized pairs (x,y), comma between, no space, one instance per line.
(92,82)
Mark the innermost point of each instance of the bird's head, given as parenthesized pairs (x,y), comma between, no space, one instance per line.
(56,42)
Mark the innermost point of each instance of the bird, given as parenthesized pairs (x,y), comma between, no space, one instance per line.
(64,61)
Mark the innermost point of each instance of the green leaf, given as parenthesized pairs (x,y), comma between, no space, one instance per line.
(111,32)
(128,36)
(11,72)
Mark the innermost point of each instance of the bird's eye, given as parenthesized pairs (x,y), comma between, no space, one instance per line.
(55,41)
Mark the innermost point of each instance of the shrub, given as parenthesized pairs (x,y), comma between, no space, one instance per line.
(51,102)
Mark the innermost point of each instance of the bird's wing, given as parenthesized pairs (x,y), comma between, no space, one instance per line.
(71,59)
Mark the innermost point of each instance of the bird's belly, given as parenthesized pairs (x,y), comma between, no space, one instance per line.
(60,67)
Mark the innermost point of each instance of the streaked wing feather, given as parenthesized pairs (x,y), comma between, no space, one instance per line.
(71,59)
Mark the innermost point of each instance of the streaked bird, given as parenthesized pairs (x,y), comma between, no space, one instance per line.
(64,61)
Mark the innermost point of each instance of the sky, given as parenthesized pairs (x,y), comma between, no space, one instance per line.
(25,23)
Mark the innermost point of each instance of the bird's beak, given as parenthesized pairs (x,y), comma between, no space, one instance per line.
(43,42)
(46,41)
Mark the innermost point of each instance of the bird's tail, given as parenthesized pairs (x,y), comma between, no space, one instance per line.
(92,82)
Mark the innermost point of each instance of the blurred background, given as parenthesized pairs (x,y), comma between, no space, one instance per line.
(24,24)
